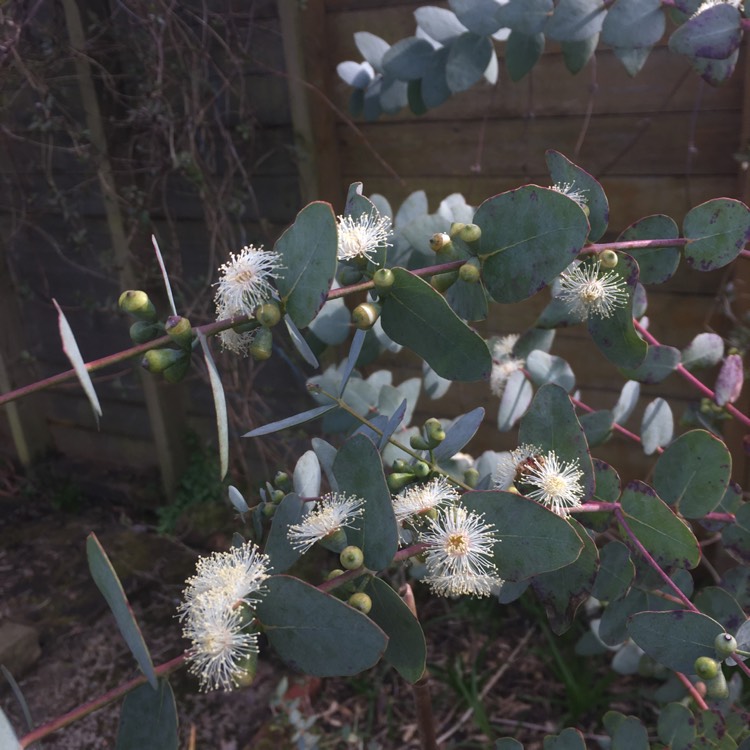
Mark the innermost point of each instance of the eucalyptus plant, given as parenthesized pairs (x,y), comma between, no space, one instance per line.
(454,48)
(381,492)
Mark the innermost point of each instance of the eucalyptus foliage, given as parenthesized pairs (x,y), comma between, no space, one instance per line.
(381,490)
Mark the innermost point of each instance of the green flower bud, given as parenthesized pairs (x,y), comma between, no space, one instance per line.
(398,481)
(277,496)
(456,228)
(421,469)
(400,465)
(717,688)
(470,233)
(282,481)
(706,668)
(444,281)
(136,303)
(383,279)
(262,346)
(608,258)
(441,242)
(268,315)
(419,443)
(360,601)
(247,667)
(268,510)
(157,360)
(434,431)
(335,573)
(176,372)
(179,330)
(141,331)
(365,315)
(471,477)
(469,272)
(725,645)
(351,557)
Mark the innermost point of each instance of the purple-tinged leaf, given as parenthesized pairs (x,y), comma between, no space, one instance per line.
(730,380)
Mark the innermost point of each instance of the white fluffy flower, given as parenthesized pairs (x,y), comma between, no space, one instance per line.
(244,281)
(333,511)
(232,340)
(422,498)
(586,291)
(502,346)
(508,464)
(363,236)
(501,372)
(556,484)
(458,553)
(220,641)
(233,576)
(569,189)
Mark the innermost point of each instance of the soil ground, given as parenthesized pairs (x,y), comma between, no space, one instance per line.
(490,665)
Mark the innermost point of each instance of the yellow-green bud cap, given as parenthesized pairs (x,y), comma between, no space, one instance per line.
(470,233)
(383,279)
(398,480)
(351,557)
(444,281)
(282,481)
(335,573)
(717,688)
(136,303)
(262,346)
(247,668)
(157,360)
(706,668)
(456,228)
(418,443)
(268,510)
(360,601)
(608,258)
(176,372)
(268,315)
(469,272)
(421,469)
(277,496)
(364,316)
(471,477)
(180,330)
(440,242)
(434,431)
(725,645)
(141,331)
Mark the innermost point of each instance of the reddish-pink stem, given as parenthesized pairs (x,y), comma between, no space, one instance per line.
(697,697)
(94,705)
(687,375)
(650,560)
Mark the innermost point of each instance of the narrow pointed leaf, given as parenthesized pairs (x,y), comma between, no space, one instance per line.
(407,650)
(164,274)
(19,697)
(359,471)
(416,316)
(220,406)
(515,400)
(235,497)
(70,347)
(459,434)
(109,584)
(148,720)
(306,479)
(283,424)
(354,351)
(392,425)
(299,343)
(316,633)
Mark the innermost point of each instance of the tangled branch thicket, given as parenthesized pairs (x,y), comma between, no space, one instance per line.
(174,87)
